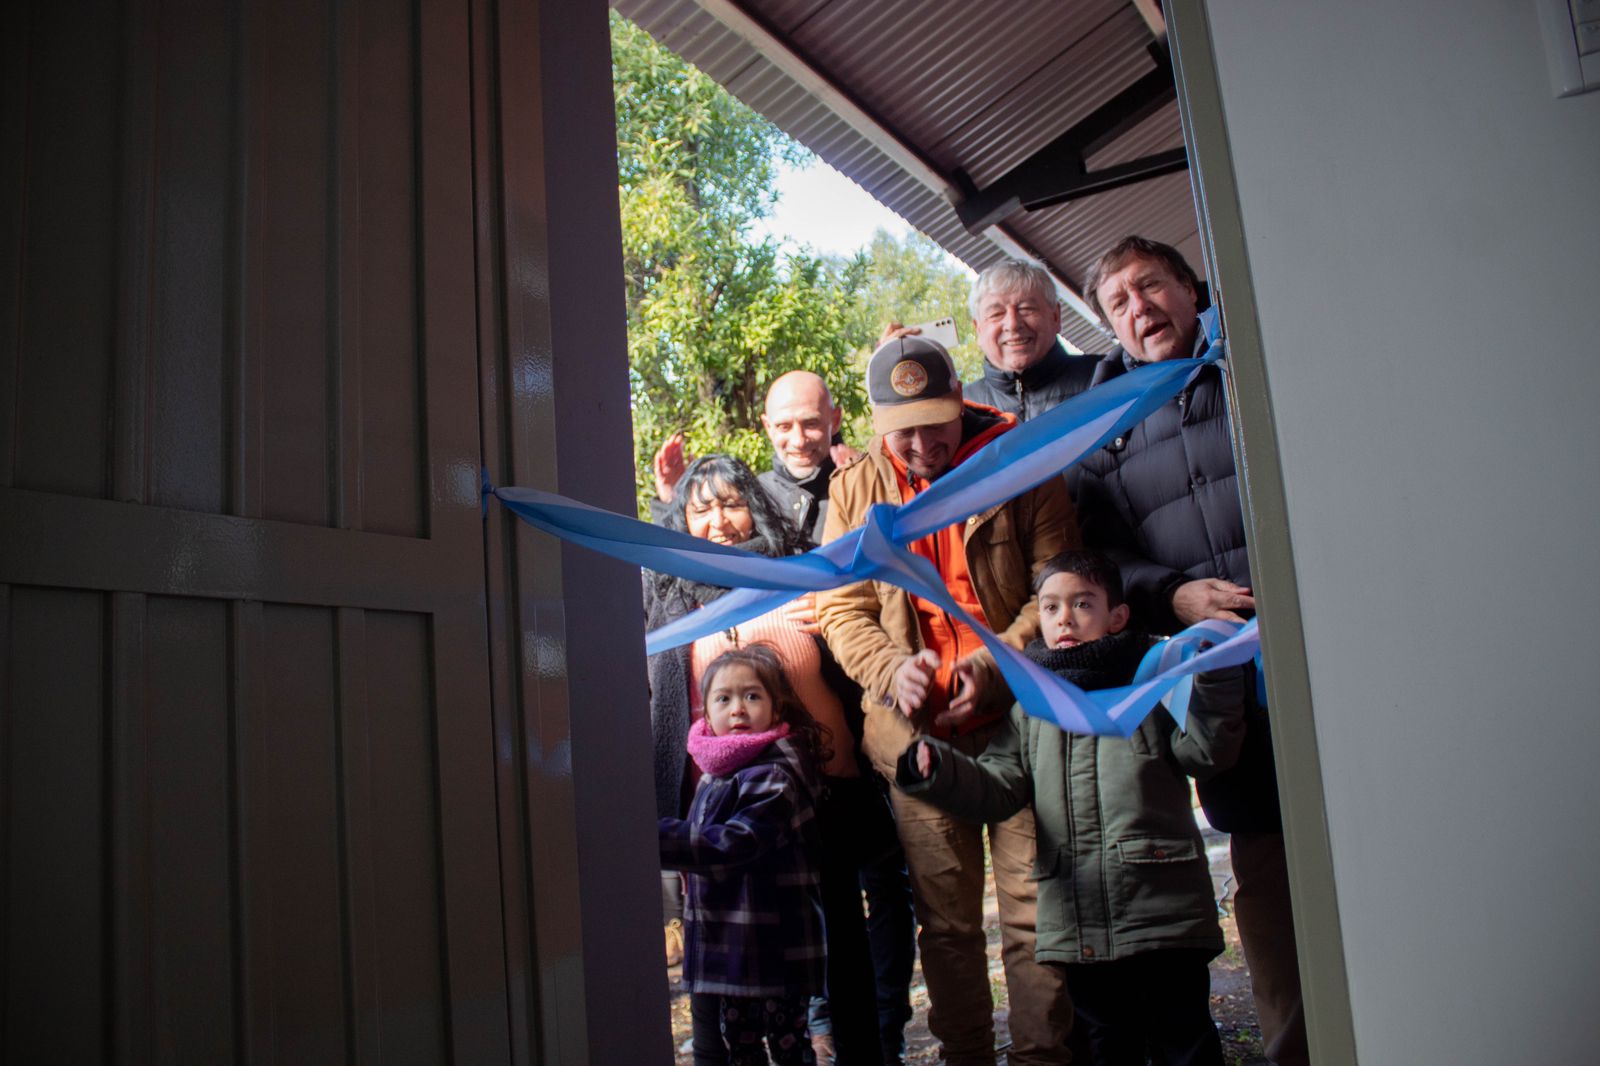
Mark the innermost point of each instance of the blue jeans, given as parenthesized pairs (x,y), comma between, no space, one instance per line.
(892,935)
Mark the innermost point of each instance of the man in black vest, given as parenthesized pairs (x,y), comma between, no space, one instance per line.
(802,422)
(1163,500)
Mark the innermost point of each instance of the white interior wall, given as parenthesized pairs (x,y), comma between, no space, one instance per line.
(1422,218)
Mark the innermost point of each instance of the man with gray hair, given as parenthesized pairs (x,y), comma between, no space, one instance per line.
(1016,316)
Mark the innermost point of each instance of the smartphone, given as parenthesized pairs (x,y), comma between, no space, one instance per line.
(942,330)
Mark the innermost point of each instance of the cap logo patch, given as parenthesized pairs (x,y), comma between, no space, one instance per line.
(908,378)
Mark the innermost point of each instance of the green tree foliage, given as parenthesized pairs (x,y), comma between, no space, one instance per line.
(713,313)
(910,281)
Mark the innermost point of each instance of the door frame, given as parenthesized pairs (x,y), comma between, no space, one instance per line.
(1323,979)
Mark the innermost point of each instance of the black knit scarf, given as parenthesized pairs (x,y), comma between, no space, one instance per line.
(1104,663)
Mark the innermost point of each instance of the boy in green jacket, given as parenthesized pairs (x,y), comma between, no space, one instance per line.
(1125,895)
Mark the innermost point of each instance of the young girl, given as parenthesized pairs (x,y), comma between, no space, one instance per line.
(754,914)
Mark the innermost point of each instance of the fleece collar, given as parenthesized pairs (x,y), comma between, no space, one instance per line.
(1046,370)
(720,756)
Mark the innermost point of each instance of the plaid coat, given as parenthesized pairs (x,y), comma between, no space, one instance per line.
(753,915)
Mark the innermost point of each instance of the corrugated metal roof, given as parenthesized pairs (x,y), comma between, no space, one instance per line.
(970,87)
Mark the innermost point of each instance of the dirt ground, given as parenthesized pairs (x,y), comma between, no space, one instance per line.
(1231,1005)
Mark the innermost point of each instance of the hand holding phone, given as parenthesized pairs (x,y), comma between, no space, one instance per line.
(942,330)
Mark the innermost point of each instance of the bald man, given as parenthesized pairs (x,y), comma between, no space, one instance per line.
(802,423)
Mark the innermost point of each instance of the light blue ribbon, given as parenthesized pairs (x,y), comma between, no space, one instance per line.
(1165,659)
(1013,463)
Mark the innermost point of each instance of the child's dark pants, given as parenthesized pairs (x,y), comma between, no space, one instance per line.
(1152,1007)
(781,1021)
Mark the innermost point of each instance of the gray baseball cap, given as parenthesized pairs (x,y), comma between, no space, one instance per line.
(911,381)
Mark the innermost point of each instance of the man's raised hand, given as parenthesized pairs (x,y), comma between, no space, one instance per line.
(893,331)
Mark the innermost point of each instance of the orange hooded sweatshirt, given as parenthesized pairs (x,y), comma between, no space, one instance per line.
(946,550)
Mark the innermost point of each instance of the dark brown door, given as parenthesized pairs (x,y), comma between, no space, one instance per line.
(248,805)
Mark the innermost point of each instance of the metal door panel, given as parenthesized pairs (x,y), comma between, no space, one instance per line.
(404,981)
(260,803)
(580,871)
(380,297)
(173,786)
(68,148)
(245,313)
(290,862)
(180,234)
(289,130)
(55,801)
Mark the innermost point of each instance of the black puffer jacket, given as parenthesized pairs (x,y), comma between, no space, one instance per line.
(1163,501)
(1057,377)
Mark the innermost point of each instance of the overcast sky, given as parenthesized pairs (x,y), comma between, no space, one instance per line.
(822,208)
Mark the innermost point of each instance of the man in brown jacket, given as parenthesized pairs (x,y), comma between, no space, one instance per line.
(922,671)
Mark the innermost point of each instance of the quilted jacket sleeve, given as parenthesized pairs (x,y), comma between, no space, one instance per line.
(990,788)
(1148,584)
(1216,724)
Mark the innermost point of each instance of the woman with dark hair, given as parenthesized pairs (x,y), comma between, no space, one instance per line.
(719,499)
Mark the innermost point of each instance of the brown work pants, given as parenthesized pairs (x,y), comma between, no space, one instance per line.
(945,859)
(1266,930)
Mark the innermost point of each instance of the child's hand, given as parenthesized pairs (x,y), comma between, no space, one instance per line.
(924,759)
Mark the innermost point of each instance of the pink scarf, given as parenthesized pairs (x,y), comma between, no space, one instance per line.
(721,756)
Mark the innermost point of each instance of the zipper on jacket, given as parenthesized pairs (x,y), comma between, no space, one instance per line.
(949,622)
(1105,888)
